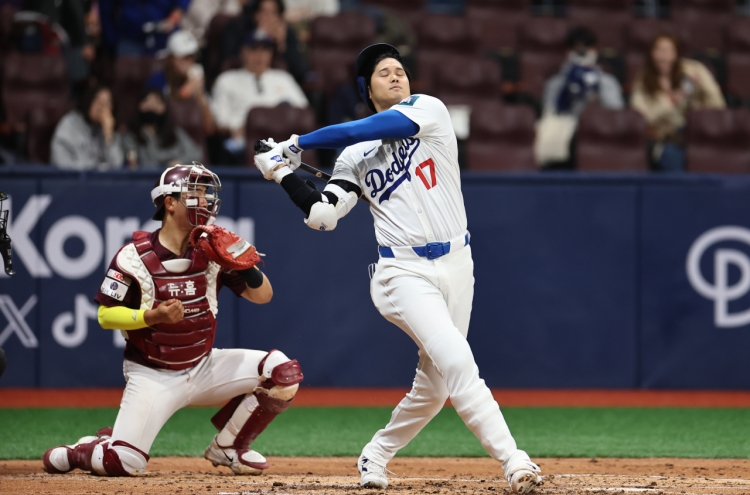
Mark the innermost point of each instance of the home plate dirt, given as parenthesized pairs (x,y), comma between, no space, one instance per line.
(324,476)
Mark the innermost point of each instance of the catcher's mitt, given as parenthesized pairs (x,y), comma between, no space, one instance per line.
(223,247)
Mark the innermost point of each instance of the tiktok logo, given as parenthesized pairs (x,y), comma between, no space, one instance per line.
(720,291)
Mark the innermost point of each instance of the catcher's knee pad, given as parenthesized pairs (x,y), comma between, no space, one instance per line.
(118,458)
(280,376)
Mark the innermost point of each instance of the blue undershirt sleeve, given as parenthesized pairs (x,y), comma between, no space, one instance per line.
(384,125)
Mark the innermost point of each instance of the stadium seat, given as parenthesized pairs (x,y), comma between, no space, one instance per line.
(347,30)
(448,33)
(701,32)
(30,80)
(712,6)
(212,51)
(467,81)
(504,5)
(186,113)
(41,123)
(131,74)
(498,29)
(412,11)
(718,141)
(544,35)
(536,68)
(7,11)
(334,44)
(738,36)
(738,75)
(611,140)
(331,68)
(641,32)
(609,28)
(502,138)
(441,36)
(278,122)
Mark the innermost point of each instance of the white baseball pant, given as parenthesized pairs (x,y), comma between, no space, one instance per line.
(152,396)
(431,301)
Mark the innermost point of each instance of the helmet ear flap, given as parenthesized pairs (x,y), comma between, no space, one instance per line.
(362,88)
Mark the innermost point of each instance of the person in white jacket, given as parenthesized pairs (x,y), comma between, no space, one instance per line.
(256,84)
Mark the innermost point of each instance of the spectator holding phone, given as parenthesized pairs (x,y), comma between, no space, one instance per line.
(667,87)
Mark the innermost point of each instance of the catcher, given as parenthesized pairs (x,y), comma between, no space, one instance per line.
(161,291)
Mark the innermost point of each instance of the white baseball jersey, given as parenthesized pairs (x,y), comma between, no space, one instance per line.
(413,184)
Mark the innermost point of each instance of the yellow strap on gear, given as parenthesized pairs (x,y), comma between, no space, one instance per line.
(121,318)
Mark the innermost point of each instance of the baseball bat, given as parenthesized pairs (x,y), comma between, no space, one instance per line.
(261,147)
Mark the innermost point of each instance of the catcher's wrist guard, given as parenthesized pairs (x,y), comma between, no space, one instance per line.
(253,277)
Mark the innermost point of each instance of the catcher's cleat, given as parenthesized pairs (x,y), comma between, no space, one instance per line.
(241,462)
(522,474)
(372,475)
(65,458)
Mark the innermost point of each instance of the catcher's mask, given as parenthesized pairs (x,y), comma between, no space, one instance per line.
(195,186)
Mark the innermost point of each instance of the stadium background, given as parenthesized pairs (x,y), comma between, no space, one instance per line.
(582,276)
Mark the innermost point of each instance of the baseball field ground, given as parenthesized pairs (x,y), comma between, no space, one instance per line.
(585,442)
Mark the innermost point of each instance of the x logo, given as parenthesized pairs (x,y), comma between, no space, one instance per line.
(17,321)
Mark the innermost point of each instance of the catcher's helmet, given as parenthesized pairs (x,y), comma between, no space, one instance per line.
(365,65)
(184,180)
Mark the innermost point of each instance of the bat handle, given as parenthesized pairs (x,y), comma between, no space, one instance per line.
(261,147)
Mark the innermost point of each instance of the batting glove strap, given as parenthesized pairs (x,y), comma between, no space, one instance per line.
(292,151)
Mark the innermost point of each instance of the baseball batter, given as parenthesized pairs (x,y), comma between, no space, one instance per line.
(161,291)
(403,161)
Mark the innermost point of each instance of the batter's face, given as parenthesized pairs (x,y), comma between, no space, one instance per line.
(388,84)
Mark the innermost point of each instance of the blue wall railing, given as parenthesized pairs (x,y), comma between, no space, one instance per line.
(582,281)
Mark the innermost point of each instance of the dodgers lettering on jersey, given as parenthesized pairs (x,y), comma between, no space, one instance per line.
(413,184)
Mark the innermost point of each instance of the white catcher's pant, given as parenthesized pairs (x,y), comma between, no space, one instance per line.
(431,301)
(152,396)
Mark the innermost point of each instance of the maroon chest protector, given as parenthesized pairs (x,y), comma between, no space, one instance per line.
(181,345)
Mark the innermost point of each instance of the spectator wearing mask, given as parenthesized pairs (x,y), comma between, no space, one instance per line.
(140,27)
(153,140)
(85,138)
(580,82)
(182,78)
(268,16)
(666,88)
(256,84)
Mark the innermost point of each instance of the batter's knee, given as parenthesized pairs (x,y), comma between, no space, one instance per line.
(118,458)
(280,376)
(452,356)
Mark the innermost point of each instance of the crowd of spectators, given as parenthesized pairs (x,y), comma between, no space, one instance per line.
(530,84)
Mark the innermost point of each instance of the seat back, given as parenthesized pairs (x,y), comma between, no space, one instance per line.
(468,78)
(738,74)
(212,51)
(347,30)
(502,138)
(718,141)
(279,123)
(131,74)
(186,113)
(30,80)
(611,140)
(41,123)
(738,36)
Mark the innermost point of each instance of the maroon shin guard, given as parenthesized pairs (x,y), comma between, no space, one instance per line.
(268,408)
(222,417)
